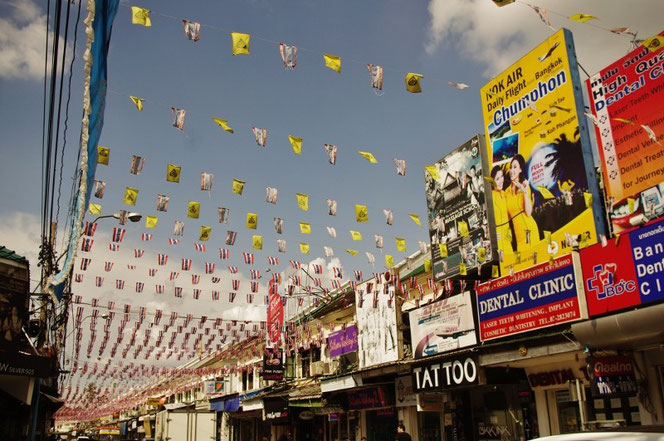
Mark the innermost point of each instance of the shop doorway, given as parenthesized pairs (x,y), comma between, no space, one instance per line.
(381,424)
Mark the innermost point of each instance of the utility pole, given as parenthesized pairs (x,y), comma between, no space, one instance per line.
(48,263)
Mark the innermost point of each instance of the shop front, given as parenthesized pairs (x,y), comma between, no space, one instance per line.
(375,404)
(459,401)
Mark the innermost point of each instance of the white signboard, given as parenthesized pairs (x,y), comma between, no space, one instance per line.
(214,387)
(443,326)
(377,338)
(403,388)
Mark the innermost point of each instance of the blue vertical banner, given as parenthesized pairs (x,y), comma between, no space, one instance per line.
(102,25)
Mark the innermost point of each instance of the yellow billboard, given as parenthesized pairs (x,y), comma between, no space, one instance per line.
(540,160)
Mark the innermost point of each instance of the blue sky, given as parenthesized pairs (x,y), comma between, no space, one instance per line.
(444,40)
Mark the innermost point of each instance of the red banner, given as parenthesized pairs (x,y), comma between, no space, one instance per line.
(275,314)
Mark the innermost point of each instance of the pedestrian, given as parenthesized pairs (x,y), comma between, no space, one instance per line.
(402,435)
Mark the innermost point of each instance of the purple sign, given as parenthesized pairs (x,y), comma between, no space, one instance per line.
(343,342)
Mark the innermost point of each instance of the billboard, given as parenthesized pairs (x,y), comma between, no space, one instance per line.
(344,341)
(625,273)
(457,210)
(542,296)
(443,326)
(376,313)
(273,366)
(14,297)
(624,97)
(544,192)
(275,314)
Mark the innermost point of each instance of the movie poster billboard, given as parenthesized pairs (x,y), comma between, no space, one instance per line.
(443,326)
(377,333)
(459,222)
(544,192)
(626,100)
(625,273)
(14,297)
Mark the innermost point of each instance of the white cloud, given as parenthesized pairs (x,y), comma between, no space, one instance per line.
(497,37)
(21,233)
(22,40)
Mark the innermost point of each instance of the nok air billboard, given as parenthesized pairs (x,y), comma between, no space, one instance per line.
(544,193)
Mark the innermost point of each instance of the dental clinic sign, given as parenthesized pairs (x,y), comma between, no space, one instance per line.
(625,273)
(542,296)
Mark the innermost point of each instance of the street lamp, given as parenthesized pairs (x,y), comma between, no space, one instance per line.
(134,217)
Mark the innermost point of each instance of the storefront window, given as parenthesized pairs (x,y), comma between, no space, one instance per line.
(429,426)
(503,412)
(568,412)
(381,424)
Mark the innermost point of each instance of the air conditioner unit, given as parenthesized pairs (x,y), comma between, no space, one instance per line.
(331,367)
(317,368)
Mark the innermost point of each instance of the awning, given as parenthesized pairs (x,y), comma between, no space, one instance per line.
(173,406)
(629,330)
(306,390)
(231,403)
(340,383)
(252,404)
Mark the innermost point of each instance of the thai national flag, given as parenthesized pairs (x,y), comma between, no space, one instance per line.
(295,264)
(358,275)
(231,296)
(232,269)
(195,279)
(89,229)
(174,275)
(209,267)
(172,241)
(138,253)
(146,236)
(272,260)
(86,244)
(162,259)
(254,274)
(159,289)
(216,279)
(235,284)
(99,281)
(250,298)
(131,267)
(78,278)
(224,253)
(85,262)
(248,258)
(215,295)
(152,272)
(197,294)
(114,246)
(118,234)
(254,286)
(336,284)
(119,284)
(338,273)
(186,264)
(318,269)
(199,247)
(178,291)
(139,286)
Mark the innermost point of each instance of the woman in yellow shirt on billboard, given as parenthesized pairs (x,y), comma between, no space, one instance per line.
(520,205)
(504,234)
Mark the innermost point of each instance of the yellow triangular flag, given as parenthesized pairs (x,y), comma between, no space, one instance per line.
(173,173)
(401,244)
(361,213)
(103,153)
(140,16)
(302,201)
(194,209)
(433,171)
(304,248)
(653,43)
(413,82)
(389,261)
(415,219)
(305,228)
(351,252)
(368,156)
(240,43)
(223,124)
(546,194)
(356,235)
(494,271)
(257,242)
(588,198)
(151,221)
(205,233)
(462,269)
(582,18)
(94,208)
(333,62)
(130,196)
(138,102)
(463,228)
(252,221)
(427,265)
(238,186)
(296,143)
(442,247)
